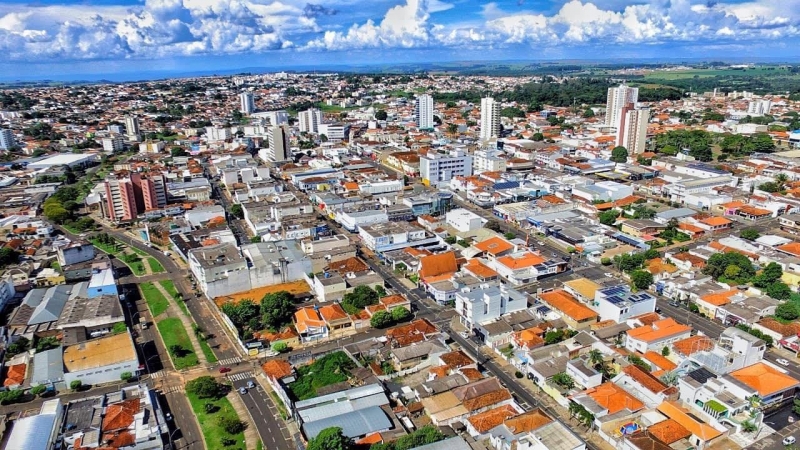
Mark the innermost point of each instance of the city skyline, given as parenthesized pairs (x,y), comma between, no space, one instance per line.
(77,37)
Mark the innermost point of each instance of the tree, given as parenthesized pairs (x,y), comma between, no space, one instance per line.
(639,362)
(177,351)
(330,439)
(670,378)
(8,256)
(400,314)
(125,376)
(361,297)
(277,309)
(231,424)
(22,344)
(553,337)
(608,217)
(589,113)
(236,211)
(771,273)
(493,225)
(75,385)
(642,279)
(787,311)
(280,347)
(381,115)
(665,351)
(748,426)
(596,358)
(381,319)
(563,380)
(47,343)
(537,137)
(178,151)
(619,154)
(452,128)
(510,235)
(718,263)
(751,234)
(779,291)
(38,389)
(204,387)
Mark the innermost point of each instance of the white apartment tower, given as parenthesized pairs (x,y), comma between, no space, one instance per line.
(310,120)
(618,98)
(7,141)
(248,104)
(490,119)
(278,140)
(632,129)
(423,112)
(759,107)
(436,169)
(132,128)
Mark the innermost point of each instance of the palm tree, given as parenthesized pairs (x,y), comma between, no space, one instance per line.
(596,358)
(780,180)
(748,426)
(670,378)
(574,409)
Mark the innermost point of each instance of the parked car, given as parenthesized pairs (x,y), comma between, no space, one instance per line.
(224,369)
(783,362)
(242,390)
(251,385)
(789,440)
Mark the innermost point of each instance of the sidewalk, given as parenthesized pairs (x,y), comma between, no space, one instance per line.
(174,311)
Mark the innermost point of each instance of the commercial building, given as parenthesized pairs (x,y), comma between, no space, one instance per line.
(278,141)
(75,252)
(464,220)
(247,104)
(219,269)
(423,112)
(618,98)
(654,337)
(335,132)
(275,118)
(132,128)
(7,141)
(100,360)
(310,120)
(632,129)
(358,411)
(476,306)
(66,159)
(437,169)
(394,236)
(37,431)
(490,119)
(618,303)
(488,161)
(128,195)
(215,134)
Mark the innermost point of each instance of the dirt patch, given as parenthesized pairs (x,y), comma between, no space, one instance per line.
(297,288)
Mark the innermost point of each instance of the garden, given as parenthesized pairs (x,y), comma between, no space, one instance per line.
(332,368)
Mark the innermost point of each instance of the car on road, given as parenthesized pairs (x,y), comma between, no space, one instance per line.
(674,303)
(609,275)
(783,362)
(540,242)
(168,416)
(224,369)
(789,440)
(242,390)
(251,385)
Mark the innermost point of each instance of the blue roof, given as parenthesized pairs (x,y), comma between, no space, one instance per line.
(506,185)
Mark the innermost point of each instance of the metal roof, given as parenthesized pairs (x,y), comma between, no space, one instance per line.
(32,433)
(336,409)
(350,394)
(454,443)
(48,367)
(353,424)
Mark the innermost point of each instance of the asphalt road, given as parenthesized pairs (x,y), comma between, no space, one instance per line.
(264,414)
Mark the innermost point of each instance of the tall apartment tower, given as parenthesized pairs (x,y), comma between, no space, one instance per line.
(131,194)
(132,128)
(310,120)
(632,129)
(490,119)
(618,98)
(423,112)
(278,140)
(759,107)
(7,140)
(247,103)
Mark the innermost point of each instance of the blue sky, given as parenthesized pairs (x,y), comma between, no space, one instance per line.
(48,37)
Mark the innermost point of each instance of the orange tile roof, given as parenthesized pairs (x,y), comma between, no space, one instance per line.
(764,379)
(629,200)
(488,399)
(352,264)
(15,375)
(494,245)
(277,368)
(684,418)
(393,300)
(562,301)
(489,419)
(646,379)
(733,204)
(307,317)
(693,344)
(411,332)
(753,211)
(691,228)
(659,330)
(614,398)
(525,260)
(716,221)
(332,312)
(529,338)
(440,371)
(471,373)
(669,431)
(527,422)
(791,248)
(120,415)
(479,270)
(660,361)
(437,265)
(719,298)
(456,359)
(374,438)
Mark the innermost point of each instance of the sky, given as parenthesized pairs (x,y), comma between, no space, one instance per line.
(62,38)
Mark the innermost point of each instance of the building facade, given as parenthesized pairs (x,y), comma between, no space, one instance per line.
(490,119)
(310,120)
(618,97)
(423,112)
(247,104)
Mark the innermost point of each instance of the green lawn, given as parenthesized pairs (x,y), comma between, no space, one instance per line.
(154,298)
(704,73)
(137,267)
(139,252)
(155,266)
(173,333)
(209,424)
(111,249)
(207,351)
(169,286)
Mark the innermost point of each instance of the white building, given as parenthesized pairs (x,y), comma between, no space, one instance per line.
(490,119)
(310,120)
(423,112)
(353,220)
(214,134)
(75,252)
(110,144)
(219,270)
(619,304)
(101,360)
(618,97)
(7,140)
(436,169)
(278,141)
(464,220)
(632,132)
(132,128)
(759,107)
(389,236)
(654,337)
(488,161)
(7,291)
(381,187)
(478,305)
(247,103)
(275,118)
(335,132)
(152,147)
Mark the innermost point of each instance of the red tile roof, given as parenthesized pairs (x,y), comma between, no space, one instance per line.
(120,415)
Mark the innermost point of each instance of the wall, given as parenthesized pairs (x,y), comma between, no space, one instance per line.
(73,255)
(105,374)
(96,291)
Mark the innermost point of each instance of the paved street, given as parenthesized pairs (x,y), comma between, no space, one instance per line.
(270,426)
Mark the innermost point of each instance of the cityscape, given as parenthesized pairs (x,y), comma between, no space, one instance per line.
(396,253)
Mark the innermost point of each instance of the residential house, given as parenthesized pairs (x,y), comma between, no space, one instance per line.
(644,386)
(310,325)
(336,319)
(575,314)
(618,303)
(608,399)
(703,434)
(661,333)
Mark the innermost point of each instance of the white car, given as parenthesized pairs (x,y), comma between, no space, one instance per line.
(609,275)
(783,362)
(789,440)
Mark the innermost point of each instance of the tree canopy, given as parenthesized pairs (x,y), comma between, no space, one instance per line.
(330,439)
(619,154)
(361,297)
(732,266)
(751,234)
(642,279)
(697,142)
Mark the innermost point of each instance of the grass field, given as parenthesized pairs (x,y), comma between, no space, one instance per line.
(137,267)
(155,266)
(210,357)
(154,298)
(139,252)
(113,249)
(705,73)
(169,286)
(212,432)
(173,333)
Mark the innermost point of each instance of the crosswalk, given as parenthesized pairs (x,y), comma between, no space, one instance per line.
(171,389)
(229,361)
(159,374)
(240,376)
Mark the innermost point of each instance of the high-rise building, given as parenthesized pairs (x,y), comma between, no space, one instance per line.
(759,107)
(423,112)
(7,140)
(113,144)
(248,104)
(618,98)
(132,128)
(490,119)
(154,190)
(278,140)
(436,169)
(310,120)
(632,129)
(130,194)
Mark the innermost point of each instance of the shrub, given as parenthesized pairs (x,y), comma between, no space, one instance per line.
(280,347)
(126,376)
(75,385)
(231,425)
(518,374)
(38,390)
